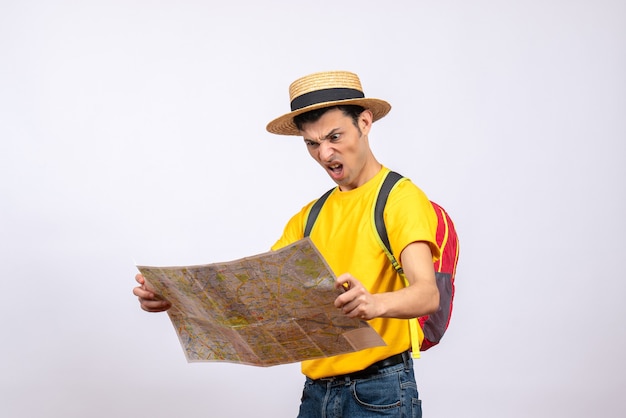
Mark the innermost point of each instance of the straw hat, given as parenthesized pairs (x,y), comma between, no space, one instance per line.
(325,89)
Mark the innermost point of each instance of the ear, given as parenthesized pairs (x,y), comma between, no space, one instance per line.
(365,121)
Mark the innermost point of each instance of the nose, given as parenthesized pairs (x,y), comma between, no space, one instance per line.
(326,151)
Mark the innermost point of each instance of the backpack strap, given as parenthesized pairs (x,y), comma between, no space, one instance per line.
(379,220)
(392,179)
(315,211)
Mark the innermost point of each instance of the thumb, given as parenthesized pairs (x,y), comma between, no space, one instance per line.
(344,282)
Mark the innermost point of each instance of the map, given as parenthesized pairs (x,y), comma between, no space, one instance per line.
(264,310)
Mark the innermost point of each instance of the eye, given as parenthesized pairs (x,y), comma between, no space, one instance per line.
(334,137)
(310,143)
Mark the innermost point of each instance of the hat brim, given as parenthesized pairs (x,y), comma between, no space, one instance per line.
(284,125)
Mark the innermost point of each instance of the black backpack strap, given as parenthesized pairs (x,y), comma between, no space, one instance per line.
(390,181)
(379,221)
(315,211)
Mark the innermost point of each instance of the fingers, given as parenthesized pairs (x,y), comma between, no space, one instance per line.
(342,283)
(143,293)
(148,300)
(140,279)
(154,305)
(355,301)
(357,309)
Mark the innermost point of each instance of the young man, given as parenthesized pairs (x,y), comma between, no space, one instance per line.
(331,113)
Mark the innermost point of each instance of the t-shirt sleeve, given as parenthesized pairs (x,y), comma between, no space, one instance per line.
(410,217)
(294,230)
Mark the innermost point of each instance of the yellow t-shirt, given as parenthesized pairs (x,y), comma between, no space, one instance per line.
(344,234)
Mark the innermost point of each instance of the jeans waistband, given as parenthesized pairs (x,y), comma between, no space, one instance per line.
(374,368)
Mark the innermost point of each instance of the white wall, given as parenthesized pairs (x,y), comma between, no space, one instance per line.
(134,131)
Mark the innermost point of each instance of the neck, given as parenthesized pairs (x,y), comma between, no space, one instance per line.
(369,171)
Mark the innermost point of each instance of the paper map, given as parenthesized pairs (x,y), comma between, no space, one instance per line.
(268,309)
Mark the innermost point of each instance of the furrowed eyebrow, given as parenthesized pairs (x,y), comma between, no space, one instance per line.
(331,133)
(328,135)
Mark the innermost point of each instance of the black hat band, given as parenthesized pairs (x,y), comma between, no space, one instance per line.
(325,95)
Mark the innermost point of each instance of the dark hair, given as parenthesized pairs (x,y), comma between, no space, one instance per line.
(352,111)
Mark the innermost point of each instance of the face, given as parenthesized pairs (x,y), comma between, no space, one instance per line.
(342,148)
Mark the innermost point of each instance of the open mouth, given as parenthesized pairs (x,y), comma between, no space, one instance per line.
(335,170)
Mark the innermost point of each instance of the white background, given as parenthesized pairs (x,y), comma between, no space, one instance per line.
(134,131)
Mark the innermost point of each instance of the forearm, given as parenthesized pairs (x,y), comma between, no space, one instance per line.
(421,296)
(411,302)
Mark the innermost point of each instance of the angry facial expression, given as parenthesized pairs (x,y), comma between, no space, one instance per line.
(342,148)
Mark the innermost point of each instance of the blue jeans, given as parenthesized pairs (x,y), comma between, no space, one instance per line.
(391,392)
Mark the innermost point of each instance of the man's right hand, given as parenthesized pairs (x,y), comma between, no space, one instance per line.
(148,300)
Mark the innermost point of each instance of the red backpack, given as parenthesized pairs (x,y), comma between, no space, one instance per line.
(431,327)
